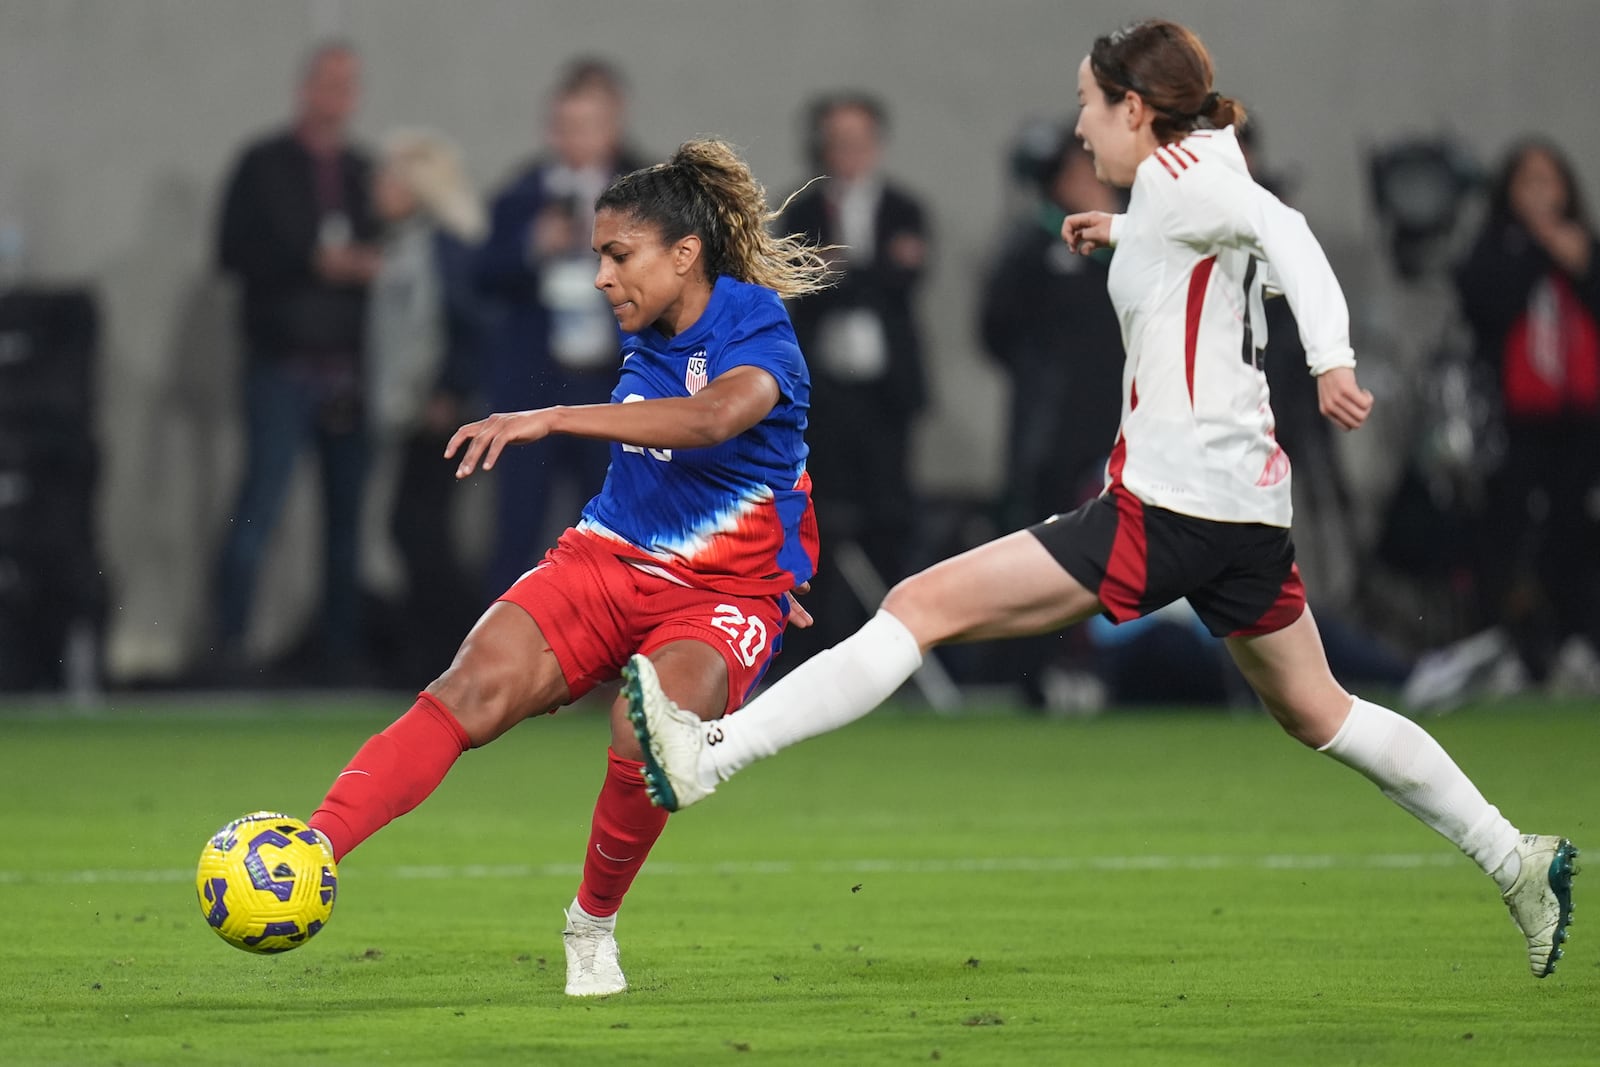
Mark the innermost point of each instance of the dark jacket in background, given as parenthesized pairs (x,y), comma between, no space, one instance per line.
(1047,319)
(271,226)
(881,286)
(859,431)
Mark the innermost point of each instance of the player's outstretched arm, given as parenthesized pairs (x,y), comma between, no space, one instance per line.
(724,409)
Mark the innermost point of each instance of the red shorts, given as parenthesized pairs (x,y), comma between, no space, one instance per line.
(596,611)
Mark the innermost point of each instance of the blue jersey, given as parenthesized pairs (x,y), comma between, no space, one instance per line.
(735,517)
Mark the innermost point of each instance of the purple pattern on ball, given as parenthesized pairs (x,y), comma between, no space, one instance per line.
(260,877)
(216,889)
(283,929)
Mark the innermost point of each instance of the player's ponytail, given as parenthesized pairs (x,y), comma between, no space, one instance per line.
(1218,111)
(707,190)
(1170,69)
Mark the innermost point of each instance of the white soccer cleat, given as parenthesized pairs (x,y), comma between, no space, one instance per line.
(1541,898)
(674,740)
(593,968)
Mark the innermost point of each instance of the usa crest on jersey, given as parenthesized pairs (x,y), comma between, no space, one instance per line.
(694,378)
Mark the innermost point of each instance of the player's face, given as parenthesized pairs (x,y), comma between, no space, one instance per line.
(1103,128)
(645,280)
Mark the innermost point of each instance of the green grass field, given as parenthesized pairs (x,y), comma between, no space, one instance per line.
(1139,889)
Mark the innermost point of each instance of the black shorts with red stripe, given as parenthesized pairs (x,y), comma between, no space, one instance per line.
(1239,577)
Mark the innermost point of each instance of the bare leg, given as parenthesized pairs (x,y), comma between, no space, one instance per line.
(1289,671)
(1010,587)
(1534,872)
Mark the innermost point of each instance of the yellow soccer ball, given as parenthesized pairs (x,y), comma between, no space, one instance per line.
(266,882)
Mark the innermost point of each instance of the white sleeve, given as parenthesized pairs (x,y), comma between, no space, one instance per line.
(1116,229)
(1214,207)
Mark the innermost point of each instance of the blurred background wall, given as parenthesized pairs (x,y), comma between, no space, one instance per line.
(119,119)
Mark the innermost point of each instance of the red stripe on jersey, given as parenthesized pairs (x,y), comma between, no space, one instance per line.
(1119,451)
(1286,609)
(1127,568)
(1115,462)
(1276,469)
(1163,161)
(1179,148)
(1198,280)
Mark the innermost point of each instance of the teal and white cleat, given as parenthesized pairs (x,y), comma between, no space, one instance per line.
(1541,898)
(674,741)
(594,968)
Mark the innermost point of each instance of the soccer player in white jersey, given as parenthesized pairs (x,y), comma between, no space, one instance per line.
(1196,503)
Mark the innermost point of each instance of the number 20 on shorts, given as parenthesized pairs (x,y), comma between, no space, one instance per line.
(746,633)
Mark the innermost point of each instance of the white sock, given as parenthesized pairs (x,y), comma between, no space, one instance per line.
(577,912)
(1416,773)
(831,689)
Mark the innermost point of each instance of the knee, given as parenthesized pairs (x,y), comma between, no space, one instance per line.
(1311,718)
(623,741)
(484,701)
(920,609)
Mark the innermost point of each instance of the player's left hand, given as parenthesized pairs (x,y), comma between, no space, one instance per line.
(798,615)
(490,436)
(1341,398)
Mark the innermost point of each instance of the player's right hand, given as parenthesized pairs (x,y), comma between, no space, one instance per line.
(1087,231)
(490,436)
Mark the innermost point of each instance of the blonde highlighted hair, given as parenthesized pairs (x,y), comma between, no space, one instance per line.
(429,165)
(706,189)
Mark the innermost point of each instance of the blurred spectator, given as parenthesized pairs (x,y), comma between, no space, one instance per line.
(1047,320)
(864,347)
(425,335)
(1530,290)
(297,231)
(554,337)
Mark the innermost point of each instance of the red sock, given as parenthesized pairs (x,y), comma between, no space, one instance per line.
(625,825)
(391,774)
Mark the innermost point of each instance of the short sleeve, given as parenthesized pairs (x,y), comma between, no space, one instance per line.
(763,337)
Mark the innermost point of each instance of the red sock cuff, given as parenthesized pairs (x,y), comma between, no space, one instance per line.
(444,717)
(630,770)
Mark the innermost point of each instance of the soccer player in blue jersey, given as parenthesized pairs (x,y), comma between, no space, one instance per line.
(687,555)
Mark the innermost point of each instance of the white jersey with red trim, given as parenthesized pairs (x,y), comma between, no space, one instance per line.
(1197,246)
